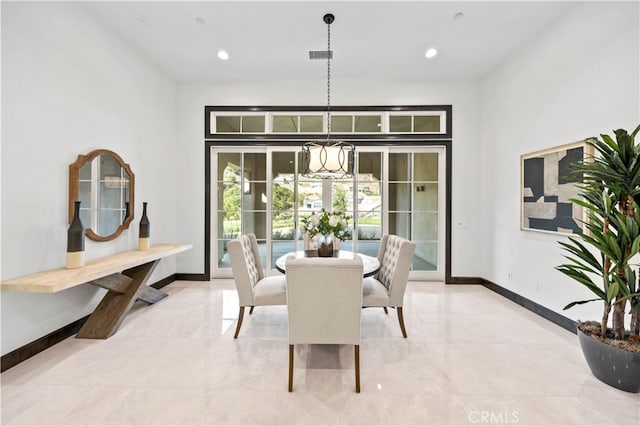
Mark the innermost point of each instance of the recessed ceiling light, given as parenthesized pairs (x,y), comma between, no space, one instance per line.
(222,54)
(458,16)
(430,53)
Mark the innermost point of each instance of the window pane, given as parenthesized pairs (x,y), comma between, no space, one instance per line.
(426,123)
(425,257)
(341,123)
(425,226)
(262,249)
(310,195)
(255,166)
(280,248)
(400,224)
(400,123)
(255,195)
(369,247)
(425,166)
(223,255)
(399,196)
(342,196)
(256,223)
(285,123)
(229,167)
(230,228)
(283,166)
(370,225)
(426,196)
(399,166)
(283,226)
(368,124)
(253,124)
(369,166)
(311,123)
(228,124)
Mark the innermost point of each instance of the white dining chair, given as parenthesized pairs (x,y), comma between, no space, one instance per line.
(254,288)
(324,304)
(387,287)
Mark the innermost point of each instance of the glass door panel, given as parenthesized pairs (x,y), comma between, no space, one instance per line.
(369,201)
(425,210)
(283,213)
(228,199)
(395,190)
(240,200)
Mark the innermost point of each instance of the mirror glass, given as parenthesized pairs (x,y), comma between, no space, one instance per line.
(104,185)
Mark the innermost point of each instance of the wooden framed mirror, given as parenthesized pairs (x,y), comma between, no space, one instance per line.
(104,185)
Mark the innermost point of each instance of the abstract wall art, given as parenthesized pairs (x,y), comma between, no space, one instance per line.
(547,188)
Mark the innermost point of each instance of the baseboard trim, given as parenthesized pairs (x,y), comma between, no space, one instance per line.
(25,352)
(192,277)
(465,280)
(546,313)
(164,282)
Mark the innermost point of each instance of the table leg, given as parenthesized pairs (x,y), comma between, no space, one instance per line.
(110,312)
(151,295)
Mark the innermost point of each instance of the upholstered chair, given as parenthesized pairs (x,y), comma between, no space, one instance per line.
(387,287)
(324,304)
(254,289)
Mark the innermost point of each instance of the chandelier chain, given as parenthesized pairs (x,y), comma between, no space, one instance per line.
(328,80)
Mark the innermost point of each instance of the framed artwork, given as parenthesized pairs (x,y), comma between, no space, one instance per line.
(546,189)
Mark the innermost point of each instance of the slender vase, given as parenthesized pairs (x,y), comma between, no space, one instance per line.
(75,239)
(325,246)
(145,229)
(126,211)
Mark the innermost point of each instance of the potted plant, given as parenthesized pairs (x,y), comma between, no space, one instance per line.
(604,259)
(327,225)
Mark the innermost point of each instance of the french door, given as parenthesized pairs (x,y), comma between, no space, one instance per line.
(395,190)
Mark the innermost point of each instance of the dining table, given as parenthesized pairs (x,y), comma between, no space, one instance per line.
(370,264)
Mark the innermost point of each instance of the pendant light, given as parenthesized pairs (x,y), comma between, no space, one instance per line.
(328,158)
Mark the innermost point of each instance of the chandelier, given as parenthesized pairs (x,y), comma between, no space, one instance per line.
(328,158)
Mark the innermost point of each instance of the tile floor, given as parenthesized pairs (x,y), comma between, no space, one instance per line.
(472,358)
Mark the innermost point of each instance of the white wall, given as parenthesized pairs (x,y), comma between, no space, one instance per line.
(577,79)
(68,87)
(469,257)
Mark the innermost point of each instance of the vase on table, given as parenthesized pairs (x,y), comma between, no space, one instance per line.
(75,239)
(325,246)
(144,231)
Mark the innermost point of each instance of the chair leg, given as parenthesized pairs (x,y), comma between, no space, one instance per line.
(401,319)
(290,368)
(386,311)
(240,316)
(251,310)
(357,363)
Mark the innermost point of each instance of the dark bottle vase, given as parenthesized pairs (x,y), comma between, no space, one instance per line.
(126,211)
(325,246)
(145,230)
(75,239)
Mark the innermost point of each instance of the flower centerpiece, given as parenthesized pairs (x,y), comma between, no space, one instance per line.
(328,225)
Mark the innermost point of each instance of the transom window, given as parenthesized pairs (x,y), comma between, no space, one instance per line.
(313,122)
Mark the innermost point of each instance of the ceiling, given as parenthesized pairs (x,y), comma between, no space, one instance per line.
(269,40)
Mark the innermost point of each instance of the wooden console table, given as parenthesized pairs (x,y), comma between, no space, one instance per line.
(124,275)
